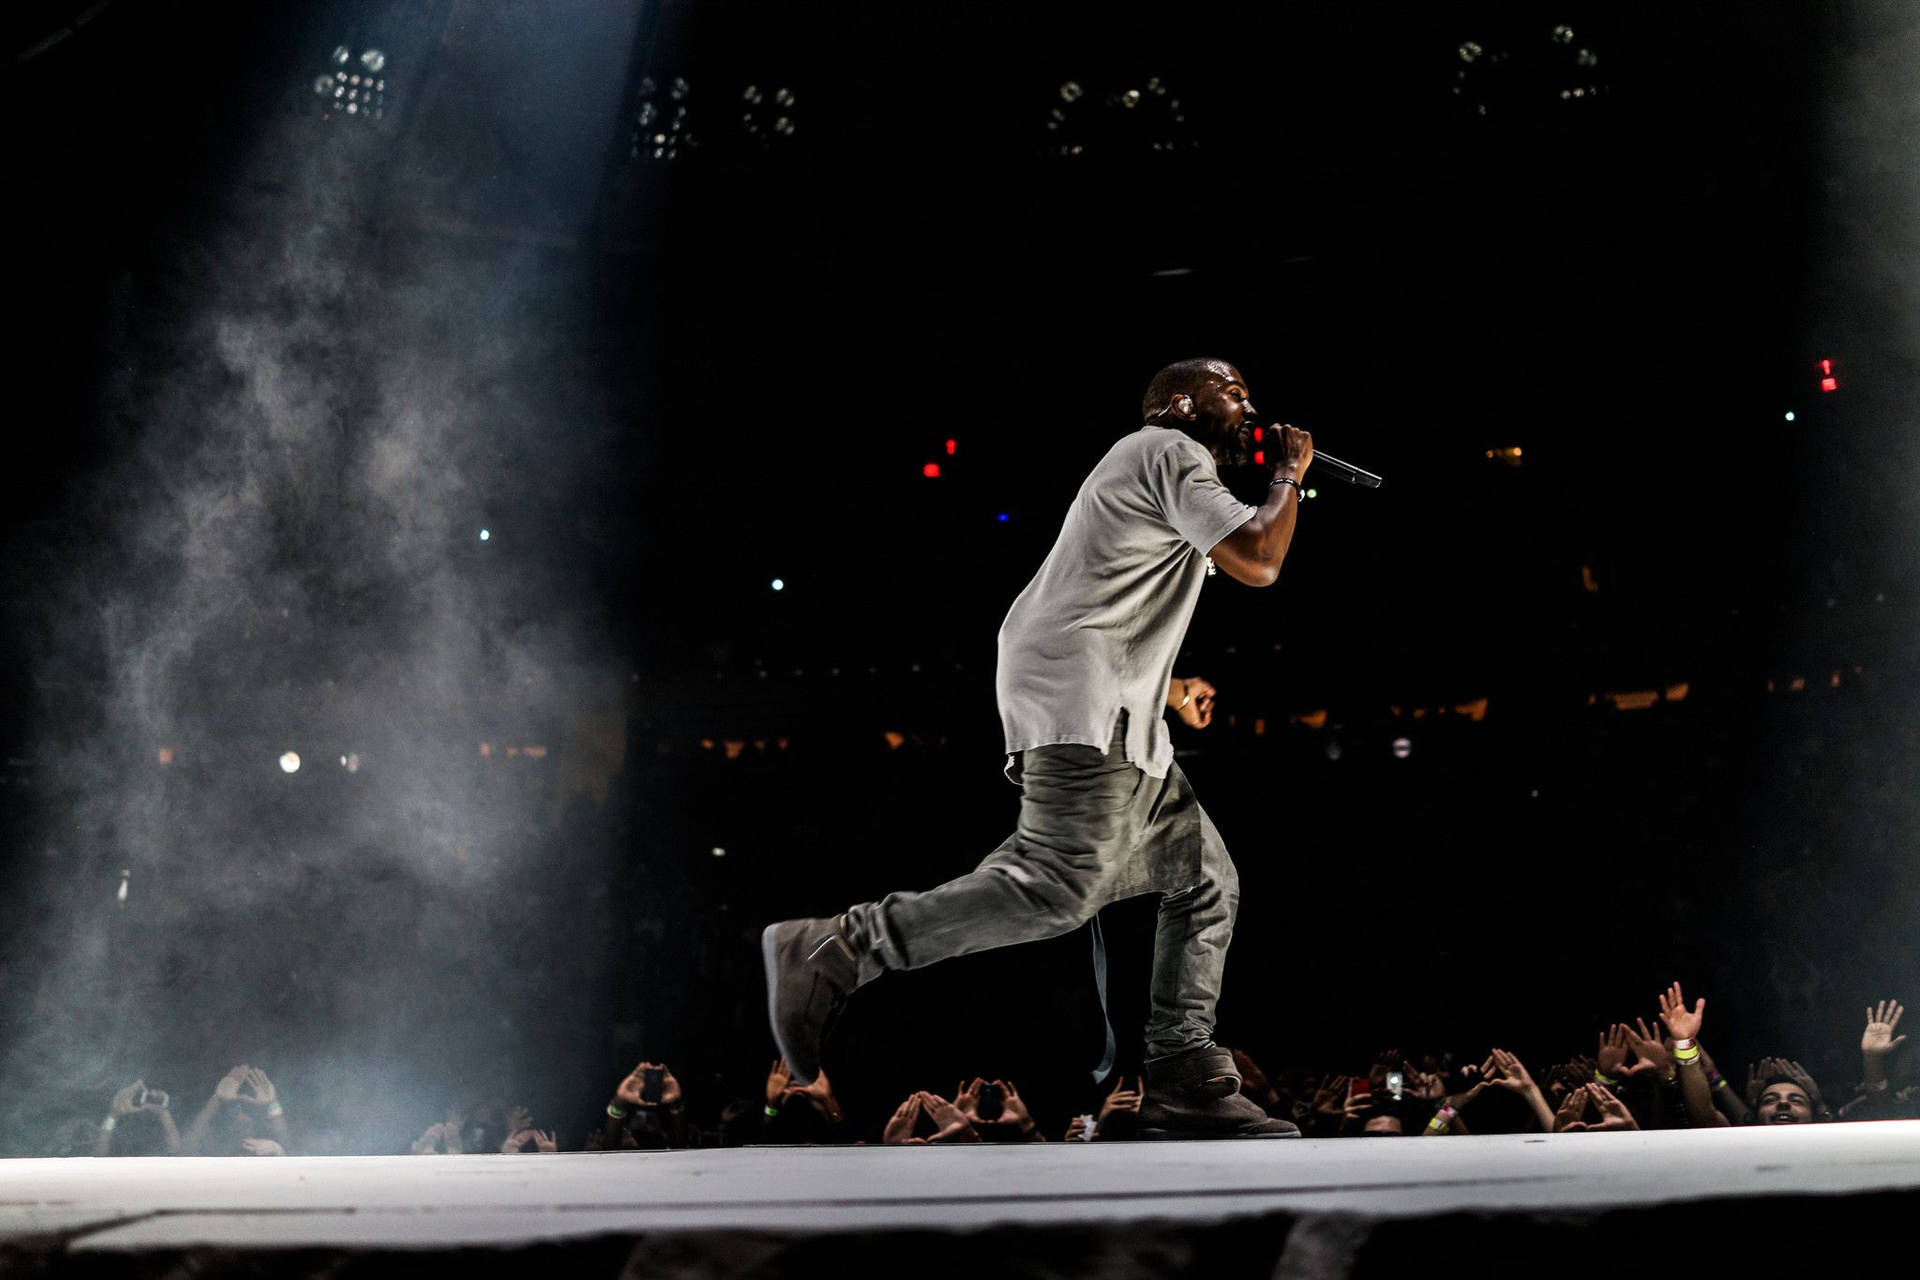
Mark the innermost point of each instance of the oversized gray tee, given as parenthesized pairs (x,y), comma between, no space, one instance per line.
(1096,631)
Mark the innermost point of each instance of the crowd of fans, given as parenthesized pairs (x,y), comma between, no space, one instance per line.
(1641,1074)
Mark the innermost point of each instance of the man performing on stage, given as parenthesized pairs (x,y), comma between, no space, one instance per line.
(1085,672)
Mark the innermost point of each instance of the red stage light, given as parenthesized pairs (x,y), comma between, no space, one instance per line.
(931,471)
(1259,457)
(1257,431)
(951,446)
(1829,384)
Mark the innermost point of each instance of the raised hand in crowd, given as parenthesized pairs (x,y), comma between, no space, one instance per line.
(1010,1119)
(1610,1059)
(259,1090)
(1684,1024)
(1601,1101)
(659,1120)
(232,1095)
(1505,1071)
(817,1097)
(1424,1086)
(633,1090)
(779,1077)
(900,1129)
(1879,1046)
(528,1139)
(262,1147)
(1329,1105)
(1878,1043)
(1651,1057)
(138,1122)
(1571,1074)
(949,1124)
(443,1138)
(1119,1115)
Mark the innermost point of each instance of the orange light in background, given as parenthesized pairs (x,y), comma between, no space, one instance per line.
(513,751)
(706,744)
(1260,727)
(1677,692)
(486,750)
(734,747)
(1313,719)
(1475,710)
(538,753)
(1510,454)
(1797,685)
(1833,681)
(895,740)
(1587,580)
(1638,700)
(165,755)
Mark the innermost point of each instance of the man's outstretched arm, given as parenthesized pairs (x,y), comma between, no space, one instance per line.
(1252,553)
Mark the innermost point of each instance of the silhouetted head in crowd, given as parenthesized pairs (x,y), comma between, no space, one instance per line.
(74,1138)
(138,1133)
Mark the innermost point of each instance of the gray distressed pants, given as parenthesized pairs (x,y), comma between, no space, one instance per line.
(1093,830)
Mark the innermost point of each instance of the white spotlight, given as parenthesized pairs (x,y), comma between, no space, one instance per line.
(485,534)
(779,584)
(1402,748)
(290,762)
(1789,415)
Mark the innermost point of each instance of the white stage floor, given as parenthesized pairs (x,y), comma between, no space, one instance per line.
(494,1201)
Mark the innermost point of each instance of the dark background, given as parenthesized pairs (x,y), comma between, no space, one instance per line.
(275,366)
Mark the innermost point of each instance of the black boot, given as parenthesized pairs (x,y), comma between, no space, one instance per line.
(1196,1094)
(810,970)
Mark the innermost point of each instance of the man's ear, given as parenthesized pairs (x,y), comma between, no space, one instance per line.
(1181,406)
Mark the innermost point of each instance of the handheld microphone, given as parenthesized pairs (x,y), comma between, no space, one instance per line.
(1344,470)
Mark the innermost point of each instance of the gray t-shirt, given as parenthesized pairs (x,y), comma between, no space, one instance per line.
(1096,631)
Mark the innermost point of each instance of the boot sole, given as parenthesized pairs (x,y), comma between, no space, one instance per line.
(770,965)
(1169,1135)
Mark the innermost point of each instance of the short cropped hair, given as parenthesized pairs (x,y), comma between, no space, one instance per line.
(1181,377)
